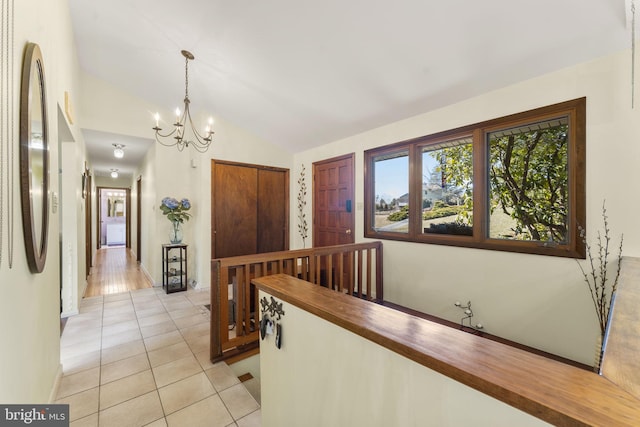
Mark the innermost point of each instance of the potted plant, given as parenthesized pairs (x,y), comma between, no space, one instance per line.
(176,212)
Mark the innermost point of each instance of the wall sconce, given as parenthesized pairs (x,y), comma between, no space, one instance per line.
(114,173)
(118,151)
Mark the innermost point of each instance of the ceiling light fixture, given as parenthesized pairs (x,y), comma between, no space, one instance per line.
(118,151)
(114,173)
(200,142)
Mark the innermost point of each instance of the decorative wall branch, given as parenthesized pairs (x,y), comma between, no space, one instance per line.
(303,229)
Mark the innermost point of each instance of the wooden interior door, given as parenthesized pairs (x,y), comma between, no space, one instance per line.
(333,206)
(249,209)
(128,218)
(272,214)
(234,210)
(87,225)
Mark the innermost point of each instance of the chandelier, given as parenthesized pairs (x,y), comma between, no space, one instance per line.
(178,136)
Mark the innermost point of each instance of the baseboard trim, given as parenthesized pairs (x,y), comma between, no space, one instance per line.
(56,385)
(84,289)
(69,313)
(487,336)
(148,276)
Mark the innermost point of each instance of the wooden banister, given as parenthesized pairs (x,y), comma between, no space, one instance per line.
(352,269)
(557,393)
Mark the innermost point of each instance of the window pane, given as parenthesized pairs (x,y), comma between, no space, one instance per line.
(529,182)
(447,187)
(391,189)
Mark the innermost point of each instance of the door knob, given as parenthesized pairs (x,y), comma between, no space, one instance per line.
(348,231)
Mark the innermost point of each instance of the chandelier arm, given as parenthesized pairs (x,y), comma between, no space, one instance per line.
(200,148)
(181,141)
(203,140)
(168,144)
(158,134)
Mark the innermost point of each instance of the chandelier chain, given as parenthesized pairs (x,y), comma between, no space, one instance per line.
(186,78)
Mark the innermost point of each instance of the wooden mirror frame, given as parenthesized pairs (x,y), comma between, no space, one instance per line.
(35,214)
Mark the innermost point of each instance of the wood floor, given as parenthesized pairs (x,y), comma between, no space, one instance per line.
(115,270)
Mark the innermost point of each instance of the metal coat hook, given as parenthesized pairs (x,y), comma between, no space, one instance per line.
(272,308)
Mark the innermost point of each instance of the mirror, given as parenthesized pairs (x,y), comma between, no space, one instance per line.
(34,158)
(115,204)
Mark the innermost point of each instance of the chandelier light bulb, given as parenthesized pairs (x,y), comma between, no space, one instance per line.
(157,117)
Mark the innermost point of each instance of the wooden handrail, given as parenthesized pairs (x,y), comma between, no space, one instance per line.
(354,269)
(557,393)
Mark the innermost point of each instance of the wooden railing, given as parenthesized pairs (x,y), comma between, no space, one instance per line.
(354,269)
(557,393)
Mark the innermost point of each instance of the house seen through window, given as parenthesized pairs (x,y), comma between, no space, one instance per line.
(514,183)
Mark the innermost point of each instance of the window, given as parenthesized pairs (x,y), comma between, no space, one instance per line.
(391,192)
(515,183)
(447,187)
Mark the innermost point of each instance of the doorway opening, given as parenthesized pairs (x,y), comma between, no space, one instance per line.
(114,221)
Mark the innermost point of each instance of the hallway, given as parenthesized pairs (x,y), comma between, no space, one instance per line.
(115,270)
(141,357)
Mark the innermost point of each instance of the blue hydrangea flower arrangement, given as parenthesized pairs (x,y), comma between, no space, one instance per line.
(176,211)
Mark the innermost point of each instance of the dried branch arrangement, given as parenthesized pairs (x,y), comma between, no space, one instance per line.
(601,282)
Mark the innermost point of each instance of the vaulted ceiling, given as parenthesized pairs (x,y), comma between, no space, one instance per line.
(302,73)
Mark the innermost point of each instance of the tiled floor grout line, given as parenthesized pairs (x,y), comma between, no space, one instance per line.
(100,362)
(182,332)
(157,390)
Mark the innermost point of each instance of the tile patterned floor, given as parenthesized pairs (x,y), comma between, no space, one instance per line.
(141,358)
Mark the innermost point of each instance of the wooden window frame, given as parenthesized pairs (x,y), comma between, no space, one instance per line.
(574,110)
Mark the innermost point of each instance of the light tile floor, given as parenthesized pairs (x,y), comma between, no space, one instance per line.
(141,358)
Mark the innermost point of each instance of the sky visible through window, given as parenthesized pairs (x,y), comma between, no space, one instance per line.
(392,176)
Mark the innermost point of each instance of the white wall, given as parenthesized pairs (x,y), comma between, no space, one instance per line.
(166,172)
(333,377)
(535,300)
(233,144)
(188,174)
(72,211)
(108,182)
(30,303)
